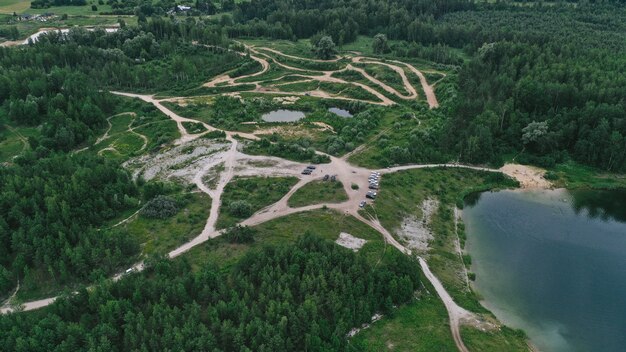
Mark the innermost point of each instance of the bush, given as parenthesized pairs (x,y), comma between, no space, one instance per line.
(216,134)
(240,234)
(160,207)
(240,209)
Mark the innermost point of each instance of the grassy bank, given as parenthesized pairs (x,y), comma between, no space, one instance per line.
(317,192)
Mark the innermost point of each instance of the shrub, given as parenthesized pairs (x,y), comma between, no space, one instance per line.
(240,234)
(160,207)
(240,208)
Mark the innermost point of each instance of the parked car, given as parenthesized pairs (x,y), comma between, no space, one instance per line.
(333,178)
(307,171)
(326,177)
(371,195)
(373,186)
(311,167)
(362,204)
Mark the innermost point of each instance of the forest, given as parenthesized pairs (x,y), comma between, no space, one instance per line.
(561,66)
(300,297)
(53,201)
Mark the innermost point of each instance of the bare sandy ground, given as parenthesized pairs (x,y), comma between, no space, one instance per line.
(529,177)
(350,242)
(414,231)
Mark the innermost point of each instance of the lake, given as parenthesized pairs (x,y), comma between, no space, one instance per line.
(340,112)
(553,263)
(283,116)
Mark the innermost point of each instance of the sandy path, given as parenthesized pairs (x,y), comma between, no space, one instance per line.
(337,58)
(429,91)
(405,80)
(529,177)
(455,313)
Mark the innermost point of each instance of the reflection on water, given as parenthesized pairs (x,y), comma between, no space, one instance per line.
(283,116)
(606,205)
(340,112)
(553,263)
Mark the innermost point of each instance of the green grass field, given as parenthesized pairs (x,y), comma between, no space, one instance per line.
(317,192)
(420,326)
(163,235)
(14,140)
(324,223)
(10,6)
(256,192)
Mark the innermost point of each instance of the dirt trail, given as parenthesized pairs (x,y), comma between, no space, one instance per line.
(429,91)
(337,58)
(405,80)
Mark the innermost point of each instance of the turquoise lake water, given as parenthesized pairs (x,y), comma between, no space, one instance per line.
(553,263)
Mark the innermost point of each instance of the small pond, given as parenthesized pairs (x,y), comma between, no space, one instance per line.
(283,116)
(340,112)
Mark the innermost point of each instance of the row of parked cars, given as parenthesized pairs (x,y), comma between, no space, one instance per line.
(373,186)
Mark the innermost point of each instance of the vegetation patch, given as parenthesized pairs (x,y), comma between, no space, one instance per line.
(194,127)
(317,192)
(285,150)
(243,196)
(168,221)
(403,192)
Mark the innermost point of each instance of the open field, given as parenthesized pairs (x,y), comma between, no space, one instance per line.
(162,235)
(318,192)
(252,194)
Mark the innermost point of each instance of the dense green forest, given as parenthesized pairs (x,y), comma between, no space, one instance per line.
(560,65)
(50,206)
(300,297)
(52,201)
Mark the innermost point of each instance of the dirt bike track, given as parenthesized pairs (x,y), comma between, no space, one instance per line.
(238,163)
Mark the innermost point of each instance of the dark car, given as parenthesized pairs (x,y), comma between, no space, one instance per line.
(307,171)
(326,177)
(311,167)
(333,178)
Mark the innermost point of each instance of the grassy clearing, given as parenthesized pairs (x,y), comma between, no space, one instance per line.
(243,196)
(573,175)
(120,123)
(162,235)
(401,195)
(503,340)
(301,47)
(317,192)
(324,223)
(10,6)
(14,140)
(303,63)
(223,112)
(421,325)
(386,75)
